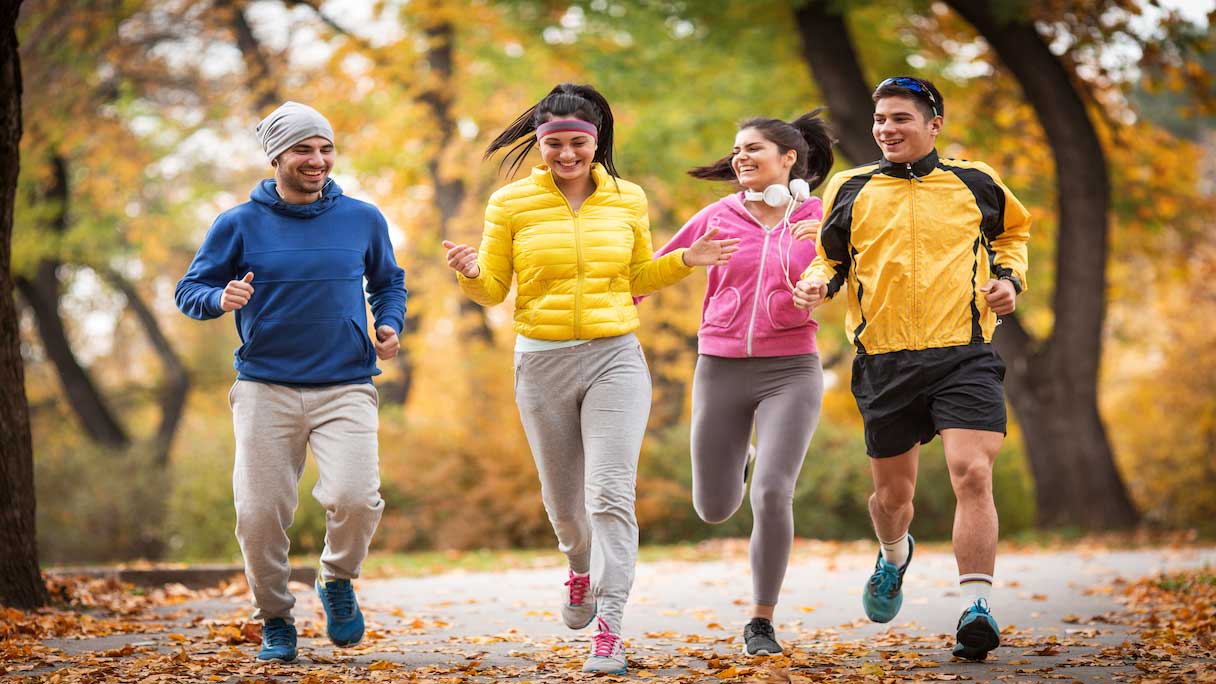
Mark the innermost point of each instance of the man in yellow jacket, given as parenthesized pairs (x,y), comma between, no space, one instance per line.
(930,252)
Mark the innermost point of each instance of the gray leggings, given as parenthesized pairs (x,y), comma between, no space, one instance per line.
(584,411)
(782,395)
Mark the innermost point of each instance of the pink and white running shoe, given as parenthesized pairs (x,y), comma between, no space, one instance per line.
(607,652)
(578,606)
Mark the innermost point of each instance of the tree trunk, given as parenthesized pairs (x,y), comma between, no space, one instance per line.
(1057,398)
(449,193)
(828,49)
(1052,385)
(21,583)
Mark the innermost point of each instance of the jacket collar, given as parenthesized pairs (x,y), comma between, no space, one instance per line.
(922,167)
(543,176)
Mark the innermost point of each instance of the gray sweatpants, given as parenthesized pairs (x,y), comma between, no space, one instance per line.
(584,410)
(782,395)
(273,425)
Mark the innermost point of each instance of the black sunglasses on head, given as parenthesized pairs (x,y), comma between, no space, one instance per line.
(915,86)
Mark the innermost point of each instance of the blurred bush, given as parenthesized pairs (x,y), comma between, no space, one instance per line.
(445,489)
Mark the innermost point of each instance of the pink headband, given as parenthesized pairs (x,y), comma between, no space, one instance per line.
(566,126)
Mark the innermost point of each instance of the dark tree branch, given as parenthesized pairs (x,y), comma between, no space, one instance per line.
(828,49)
(176,383)
(259,76)
(41,292)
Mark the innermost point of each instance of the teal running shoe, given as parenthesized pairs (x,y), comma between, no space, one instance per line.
(883,594)
(977,632)
(278,641)
(343,619)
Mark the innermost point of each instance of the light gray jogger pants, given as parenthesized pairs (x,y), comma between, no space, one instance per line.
(273,425)
(782,395)
(584,410)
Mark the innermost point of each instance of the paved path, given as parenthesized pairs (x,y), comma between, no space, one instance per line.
(685,618)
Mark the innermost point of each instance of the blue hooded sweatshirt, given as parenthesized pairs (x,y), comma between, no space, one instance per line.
(306,323)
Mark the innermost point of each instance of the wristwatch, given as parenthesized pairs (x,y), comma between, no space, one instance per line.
(1017,284)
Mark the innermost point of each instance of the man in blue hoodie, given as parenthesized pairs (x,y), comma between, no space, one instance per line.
(291,264)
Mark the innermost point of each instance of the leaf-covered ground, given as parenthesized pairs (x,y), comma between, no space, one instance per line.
(1158,628)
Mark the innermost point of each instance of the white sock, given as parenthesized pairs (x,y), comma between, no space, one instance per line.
(896,552)
(975,586)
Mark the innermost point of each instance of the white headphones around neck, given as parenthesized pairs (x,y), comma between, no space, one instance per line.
(778,195)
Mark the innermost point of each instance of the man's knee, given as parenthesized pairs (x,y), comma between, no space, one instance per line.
(972,478)
(894,496)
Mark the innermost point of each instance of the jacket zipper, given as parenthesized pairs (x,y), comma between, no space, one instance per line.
(578,260)
(915,261)
(751,325)
(578,266)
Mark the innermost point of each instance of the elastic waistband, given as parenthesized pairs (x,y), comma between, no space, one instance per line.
(591,346)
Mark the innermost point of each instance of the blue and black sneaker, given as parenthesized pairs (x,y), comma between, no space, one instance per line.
(278,641)
(883,593)
(977,632)
(343,619)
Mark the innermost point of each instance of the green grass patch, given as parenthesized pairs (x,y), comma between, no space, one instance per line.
(1187,581)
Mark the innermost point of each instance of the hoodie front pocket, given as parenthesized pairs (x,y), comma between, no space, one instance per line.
(242,352)
(722,308)
(323,350)
(782,314)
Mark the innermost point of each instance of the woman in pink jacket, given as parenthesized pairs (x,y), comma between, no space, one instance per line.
(758,363)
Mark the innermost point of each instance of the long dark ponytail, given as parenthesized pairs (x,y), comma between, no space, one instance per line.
(807,135)
(566,99)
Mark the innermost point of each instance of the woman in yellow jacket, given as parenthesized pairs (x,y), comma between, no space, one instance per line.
(577,238)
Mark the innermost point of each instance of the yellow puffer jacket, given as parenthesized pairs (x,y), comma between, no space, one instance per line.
(912,244)
(578,271)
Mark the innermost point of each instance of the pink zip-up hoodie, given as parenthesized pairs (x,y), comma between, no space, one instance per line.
(749,307)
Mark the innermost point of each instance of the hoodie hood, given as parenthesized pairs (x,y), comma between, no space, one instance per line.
(809,209)
(267,194)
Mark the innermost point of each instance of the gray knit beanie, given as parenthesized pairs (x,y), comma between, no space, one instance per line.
(288,125)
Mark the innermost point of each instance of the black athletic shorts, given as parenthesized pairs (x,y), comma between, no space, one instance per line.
(906,397)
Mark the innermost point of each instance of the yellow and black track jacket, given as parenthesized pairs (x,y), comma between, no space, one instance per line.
(915,242)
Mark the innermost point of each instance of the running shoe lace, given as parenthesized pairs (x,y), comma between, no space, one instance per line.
(278,635)
(605,643)
(886,581)
(341,599)
(578,588)
(764,628)
(981,606)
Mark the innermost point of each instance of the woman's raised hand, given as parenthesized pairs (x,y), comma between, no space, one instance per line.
(807,229)
(462,259)
(707,251)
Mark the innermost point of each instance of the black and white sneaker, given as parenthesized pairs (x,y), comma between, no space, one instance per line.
(759,639)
